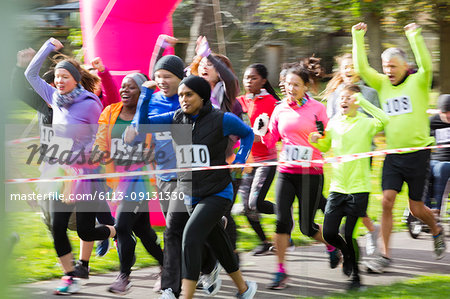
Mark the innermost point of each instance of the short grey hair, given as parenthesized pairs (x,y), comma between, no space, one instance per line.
(390,53)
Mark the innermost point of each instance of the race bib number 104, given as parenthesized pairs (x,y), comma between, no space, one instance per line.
(296,152)
(398,106)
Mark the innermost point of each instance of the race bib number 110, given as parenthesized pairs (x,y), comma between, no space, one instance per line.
(195,155)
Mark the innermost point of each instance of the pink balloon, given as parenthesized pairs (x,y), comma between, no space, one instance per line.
(123,33)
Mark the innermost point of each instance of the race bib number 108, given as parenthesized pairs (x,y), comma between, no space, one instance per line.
(398,106)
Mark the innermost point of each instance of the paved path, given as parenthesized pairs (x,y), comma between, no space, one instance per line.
(308,268)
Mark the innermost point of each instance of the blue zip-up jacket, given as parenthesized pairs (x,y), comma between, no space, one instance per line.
(151,104)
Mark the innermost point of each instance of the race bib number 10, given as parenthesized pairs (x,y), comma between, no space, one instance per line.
(47,134)
(296,152)
(398,106)
(56,144)
(195,155)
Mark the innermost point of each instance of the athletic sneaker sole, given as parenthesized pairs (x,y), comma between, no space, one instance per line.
(283,284)
(371,269)
(63,293)
(280,287)
(127,290)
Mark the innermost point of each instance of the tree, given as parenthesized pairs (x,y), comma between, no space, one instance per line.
(434,16)
(309,18)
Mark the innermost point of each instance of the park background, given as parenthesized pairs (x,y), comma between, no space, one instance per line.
(271,32)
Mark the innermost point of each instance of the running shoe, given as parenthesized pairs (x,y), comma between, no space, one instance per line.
(211,282)
(279,281)
(439,244)
(121,285)
(262,249)
(251,291)
(335,258)
(69,285)
(355,283)
(102,248)
(378,265)
(371,240)
(347,266)
(167,294)
(291,247)
(80,270)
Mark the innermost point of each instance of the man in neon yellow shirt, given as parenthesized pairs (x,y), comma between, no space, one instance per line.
(404,97)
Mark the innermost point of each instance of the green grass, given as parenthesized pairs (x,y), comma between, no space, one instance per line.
(34,257)
(433,286)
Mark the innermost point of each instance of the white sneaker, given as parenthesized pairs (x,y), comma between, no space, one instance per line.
(212,282)
(378,265)
(167,294)
(291,247)
(68,285)
(251,291)
(371,240)
(439,245)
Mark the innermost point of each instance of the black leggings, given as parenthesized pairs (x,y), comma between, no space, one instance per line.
(253,192)
(231,228)
(308,189)
(138,223)
(349,246)
(204,225)
(86,228)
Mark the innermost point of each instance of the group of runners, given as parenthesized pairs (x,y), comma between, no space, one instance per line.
(191,116)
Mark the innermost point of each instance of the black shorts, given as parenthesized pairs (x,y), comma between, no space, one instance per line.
(349,204)
(412,168)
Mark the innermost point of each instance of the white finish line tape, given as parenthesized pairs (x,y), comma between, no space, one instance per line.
(339,159)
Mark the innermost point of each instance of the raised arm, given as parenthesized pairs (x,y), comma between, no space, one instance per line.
(161,44)
(20,87)
(227,76)
(421,53)
(231,83)
(109,89)
(369,75)
(32,72)
(233,125)
(380,119)
(141,115)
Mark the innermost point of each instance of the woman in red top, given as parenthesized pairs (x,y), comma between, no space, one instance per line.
(258,103)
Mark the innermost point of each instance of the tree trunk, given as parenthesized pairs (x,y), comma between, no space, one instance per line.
(374,34)
(195,29)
